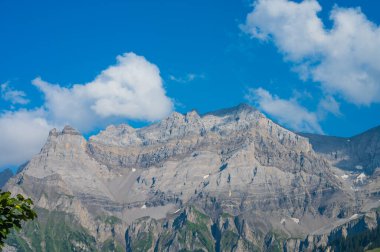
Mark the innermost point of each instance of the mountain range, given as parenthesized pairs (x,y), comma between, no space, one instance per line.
(229,180)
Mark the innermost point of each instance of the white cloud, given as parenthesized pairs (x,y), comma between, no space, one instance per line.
(344,59)
(188,78)
(287,112)
(328,104)
(23,133)
(11,95)
(130,89)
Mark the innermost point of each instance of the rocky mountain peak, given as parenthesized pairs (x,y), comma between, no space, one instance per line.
(118,130)
(67,130)
(241,108)
(245,107)
(192,116)
(175,116)
(70,130)
(53,132)
(67,140)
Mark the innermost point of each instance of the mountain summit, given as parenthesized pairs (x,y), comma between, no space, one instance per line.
(188,182)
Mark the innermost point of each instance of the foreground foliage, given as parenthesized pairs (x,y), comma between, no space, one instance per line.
(13,210)
(56,231)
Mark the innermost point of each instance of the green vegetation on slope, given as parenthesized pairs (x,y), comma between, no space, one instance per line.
(374,250)
(112,245)
(112,220)
(228,240)
(368,239)
(191,230)
(198,232)
(57,231)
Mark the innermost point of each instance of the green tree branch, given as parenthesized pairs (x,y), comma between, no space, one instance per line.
(12,212)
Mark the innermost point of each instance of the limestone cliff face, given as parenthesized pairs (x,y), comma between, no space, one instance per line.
(236,155)
(233,162)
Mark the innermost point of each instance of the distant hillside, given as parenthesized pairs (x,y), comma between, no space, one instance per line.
(5,176)
(360,152)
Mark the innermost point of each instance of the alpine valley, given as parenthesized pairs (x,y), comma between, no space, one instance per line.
(230,180)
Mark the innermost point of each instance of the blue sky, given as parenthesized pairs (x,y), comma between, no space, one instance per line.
(201,55)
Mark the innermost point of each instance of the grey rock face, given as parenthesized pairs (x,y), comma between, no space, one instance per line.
(236,153)
(234,161)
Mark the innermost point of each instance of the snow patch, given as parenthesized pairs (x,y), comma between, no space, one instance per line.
(354,216)
(354,189)
(176,211)
(359,167)
(345,176)
(297,221)
(360,178)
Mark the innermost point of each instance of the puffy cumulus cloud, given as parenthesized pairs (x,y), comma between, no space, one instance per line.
(130,89)
(344,59)
(23,133)
(286,112)
(11,95)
